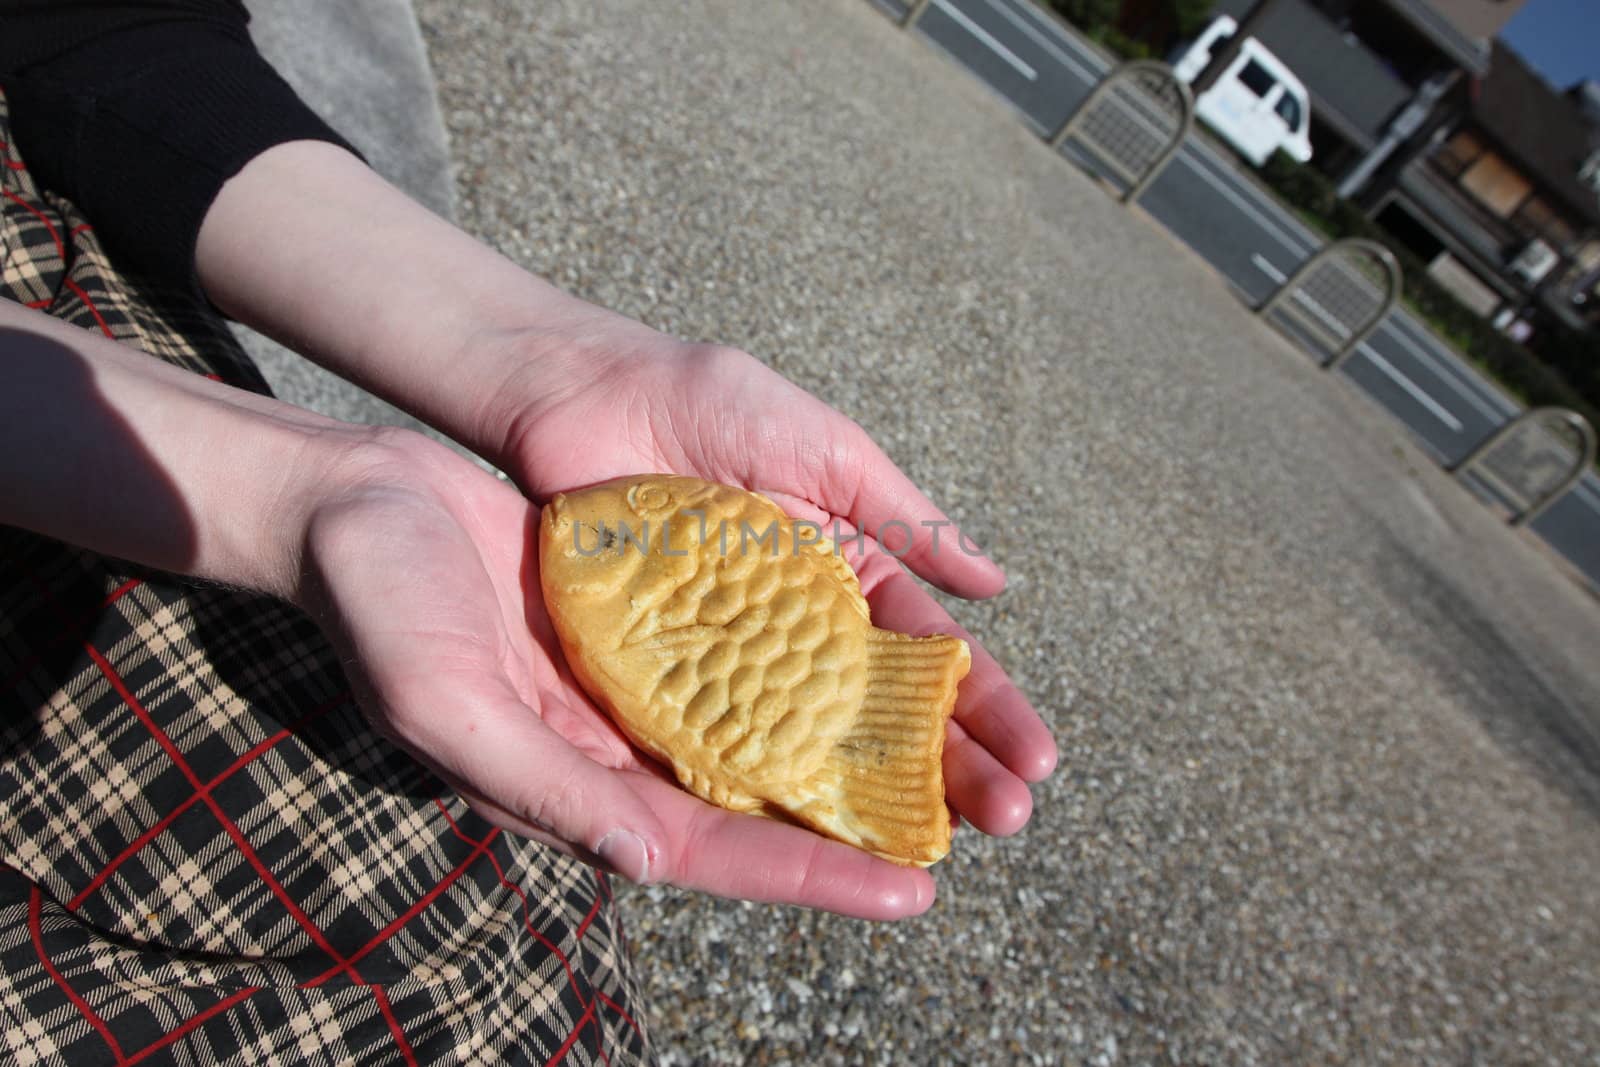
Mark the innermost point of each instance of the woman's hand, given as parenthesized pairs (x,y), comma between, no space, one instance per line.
(631,401)
(423,571)
(310,246)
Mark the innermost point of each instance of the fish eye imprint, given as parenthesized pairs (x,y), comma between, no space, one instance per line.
(622,536)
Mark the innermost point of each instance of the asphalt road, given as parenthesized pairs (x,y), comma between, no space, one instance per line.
(1043,70)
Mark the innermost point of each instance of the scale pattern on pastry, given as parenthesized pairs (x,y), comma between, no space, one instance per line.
(735,646)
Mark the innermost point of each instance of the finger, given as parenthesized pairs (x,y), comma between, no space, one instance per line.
(750,858)
(498,749)
(848,539)
(812,451)
(856,479)
(979,789)
(991,709)
(747,858)
(991,795)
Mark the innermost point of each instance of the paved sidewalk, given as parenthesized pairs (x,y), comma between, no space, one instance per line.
(1329,783)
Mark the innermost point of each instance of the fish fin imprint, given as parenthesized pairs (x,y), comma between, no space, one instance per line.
(881,787)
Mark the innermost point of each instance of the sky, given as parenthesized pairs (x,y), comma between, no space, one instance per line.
(1560,38)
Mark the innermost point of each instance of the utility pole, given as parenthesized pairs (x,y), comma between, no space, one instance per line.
(1230,48)
(1406,123)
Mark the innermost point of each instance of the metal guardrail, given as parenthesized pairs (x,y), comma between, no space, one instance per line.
(1478,461)
(1339,295)
(913,13)
(1132,122)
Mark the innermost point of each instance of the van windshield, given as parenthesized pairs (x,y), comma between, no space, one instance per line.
(1254,76)
(1288,109)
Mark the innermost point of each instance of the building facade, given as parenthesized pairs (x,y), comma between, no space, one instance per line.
(1454,144)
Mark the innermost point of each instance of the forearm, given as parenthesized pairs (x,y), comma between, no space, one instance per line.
(311,247)
(107,448)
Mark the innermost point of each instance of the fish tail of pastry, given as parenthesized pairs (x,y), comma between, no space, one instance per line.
(886,772)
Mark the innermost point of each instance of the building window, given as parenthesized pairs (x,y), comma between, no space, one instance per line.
(1459,152)
(1537,217)
(1495,184)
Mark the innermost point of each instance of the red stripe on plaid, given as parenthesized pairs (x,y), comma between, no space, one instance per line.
(35,927)
(228,826)
(233,832)
(237,765)
(566,1046)
(61,250)
(618,1008)
(88,303)
(406,916)
(119,592)
(551,946)
(39,304)
(177,1032)
(583,927)
(50,227)
(82,227)
(394,1025)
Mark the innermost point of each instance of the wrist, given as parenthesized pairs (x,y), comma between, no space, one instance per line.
(309,246)
(532,370)
(336,478)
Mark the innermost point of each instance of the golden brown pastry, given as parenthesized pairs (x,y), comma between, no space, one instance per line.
(735,646)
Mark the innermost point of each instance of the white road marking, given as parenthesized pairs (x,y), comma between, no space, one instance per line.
(1007,12)
(1265,266)
(1201,159)
(1433,406)
(1496,417)
(1239,201)
(988,39)
(1090,55)
(1450,377)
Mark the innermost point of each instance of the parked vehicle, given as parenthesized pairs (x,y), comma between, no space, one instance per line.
(1257,105)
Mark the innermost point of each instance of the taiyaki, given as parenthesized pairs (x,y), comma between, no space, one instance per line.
(734,645)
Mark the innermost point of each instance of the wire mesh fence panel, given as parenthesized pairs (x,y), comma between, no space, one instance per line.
(1532,461)
(1336,298)
(1131,123)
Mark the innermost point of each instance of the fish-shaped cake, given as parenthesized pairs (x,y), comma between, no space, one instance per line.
(734,645)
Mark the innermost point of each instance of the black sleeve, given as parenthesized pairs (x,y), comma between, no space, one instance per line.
(139,112)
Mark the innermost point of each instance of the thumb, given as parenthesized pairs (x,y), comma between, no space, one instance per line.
(503,758)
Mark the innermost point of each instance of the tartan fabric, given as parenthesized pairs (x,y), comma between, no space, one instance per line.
(205,854)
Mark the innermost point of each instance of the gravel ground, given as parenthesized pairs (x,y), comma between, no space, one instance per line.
(1329,730)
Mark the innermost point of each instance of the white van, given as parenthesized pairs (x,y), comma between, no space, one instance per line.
(1258,105)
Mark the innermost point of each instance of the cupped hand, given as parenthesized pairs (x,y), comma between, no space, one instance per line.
(422,569)
(633,401)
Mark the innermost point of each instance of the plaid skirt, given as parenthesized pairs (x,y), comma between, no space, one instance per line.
(205,854)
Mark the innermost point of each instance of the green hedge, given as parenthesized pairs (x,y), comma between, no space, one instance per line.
(1518,369)
(1097,19)
(1090,15)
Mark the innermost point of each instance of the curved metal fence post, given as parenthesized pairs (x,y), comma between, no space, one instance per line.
(914,13)
(1586,455)
(1163,92)
(1344,337)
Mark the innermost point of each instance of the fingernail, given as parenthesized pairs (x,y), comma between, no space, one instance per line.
(624,852)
